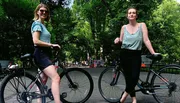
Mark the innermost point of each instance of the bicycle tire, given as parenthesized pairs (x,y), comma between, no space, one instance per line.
(84,83)
(14,87)
(162,92)
(111,93)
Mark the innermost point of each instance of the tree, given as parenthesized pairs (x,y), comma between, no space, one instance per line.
(62,24)
(106,18)
(89,27)
(165,28)
(15,27)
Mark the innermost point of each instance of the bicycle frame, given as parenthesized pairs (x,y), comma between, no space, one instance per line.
(64,69)
(160,81)
(57,66)
(118,70)
(26,58)
(32,87)
(151,71)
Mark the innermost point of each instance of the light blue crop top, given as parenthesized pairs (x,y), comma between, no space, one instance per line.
(45,36)
(132,41)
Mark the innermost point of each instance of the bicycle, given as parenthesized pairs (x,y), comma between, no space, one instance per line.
(161,82)
(20,86)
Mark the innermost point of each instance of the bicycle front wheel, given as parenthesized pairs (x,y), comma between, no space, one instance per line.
(167,88)
(81,89)
(20,87)
(111,84)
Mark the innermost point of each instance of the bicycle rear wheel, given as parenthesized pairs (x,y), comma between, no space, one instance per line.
(163,92)
(20,87)
(111,84)
(82,90)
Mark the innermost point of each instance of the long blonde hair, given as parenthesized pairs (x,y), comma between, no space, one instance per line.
(36,16)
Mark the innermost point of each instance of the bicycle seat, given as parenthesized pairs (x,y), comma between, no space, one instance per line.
(26,56)
(155,57)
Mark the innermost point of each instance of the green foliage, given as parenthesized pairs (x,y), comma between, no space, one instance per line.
(11,8)
(106,18)
(63,24)
(82,39)
(1,10)
(164,28)
(90,27)
(15,27)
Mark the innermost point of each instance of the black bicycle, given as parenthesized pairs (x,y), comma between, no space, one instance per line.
(21,86)
(161,82)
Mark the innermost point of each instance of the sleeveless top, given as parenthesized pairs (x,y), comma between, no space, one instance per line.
(45,36)
(132,41)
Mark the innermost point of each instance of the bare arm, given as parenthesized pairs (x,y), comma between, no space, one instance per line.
(146,40)
(119,39)
(38,42)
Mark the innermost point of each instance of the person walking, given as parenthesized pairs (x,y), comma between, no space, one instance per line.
(41,39)
(132,36)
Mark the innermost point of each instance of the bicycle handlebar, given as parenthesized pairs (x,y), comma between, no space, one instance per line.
(55,48)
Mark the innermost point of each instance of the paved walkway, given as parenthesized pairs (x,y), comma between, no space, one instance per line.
(97,98)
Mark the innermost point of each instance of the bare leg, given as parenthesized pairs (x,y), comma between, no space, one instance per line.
(134,100)
(124,96)
(51,72)
(44,78)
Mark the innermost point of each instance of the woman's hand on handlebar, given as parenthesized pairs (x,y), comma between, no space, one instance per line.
(156,54)
(55,46)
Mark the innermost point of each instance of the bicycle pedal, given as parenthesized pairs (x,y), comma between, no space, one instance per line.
(50,94)
(148,92)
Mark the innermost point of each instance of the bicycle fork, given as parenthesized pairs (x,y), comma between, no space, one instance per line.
(115,77)
(71,84)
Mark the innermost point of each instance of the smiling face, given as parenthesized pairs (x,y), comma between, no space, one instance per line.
(132,14)
(42,13)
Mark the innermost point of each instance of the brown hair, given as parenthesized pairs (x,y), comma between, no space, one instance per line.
(36,16)
(132,8)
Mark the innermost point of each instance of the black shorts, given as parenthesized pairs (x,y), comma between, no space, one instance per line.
(42,57)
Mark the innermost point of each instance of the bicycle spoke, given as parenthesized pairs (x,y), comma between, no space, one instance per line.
(111,93)
(177,79)
(22,82)
(14,89)
(14,84)
(80,90)
(167,92)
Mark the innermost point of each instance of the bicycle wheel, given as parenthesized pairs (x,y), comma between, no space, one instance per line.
(111,84)
(82,90)
(167,92)
(20,87)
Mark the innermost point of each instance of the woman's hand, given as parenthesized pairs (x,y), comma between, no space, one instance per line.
(117,40)
(55,45)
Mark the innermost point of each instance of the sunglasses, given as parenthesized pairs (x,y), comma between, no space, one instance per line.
(42,11)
